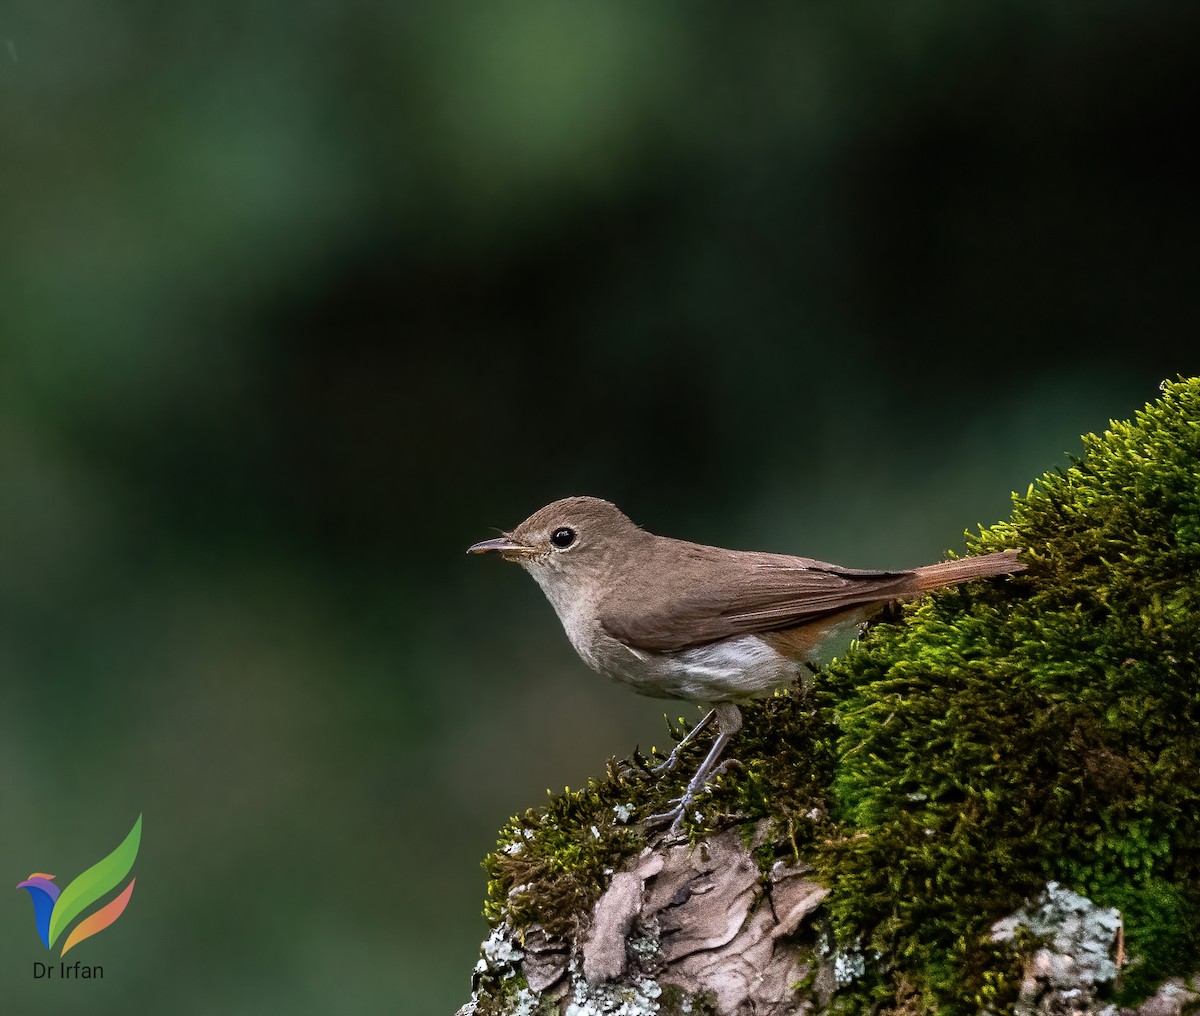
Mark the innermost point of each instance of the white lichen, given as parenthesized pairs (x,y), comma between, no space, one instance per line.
(499,950)
(1079,937)
(848,964)
(848,967)
(500,959)
(1076,957)
(637,999)
(644,947)
(525,1002)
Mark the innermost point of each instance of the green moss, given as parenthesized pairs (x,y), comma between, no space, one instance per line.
(1042,727)
(974,746)
(553,862)
(559,858)
(783,765)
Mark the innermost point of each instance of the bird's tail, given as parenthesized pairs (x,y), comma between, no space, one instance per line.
(951,573)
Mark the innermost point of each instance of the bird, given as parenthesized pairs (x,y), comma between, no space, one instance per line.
(672,619)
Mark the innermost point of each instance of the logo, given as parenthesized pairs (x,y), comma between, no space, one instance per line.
(55,909)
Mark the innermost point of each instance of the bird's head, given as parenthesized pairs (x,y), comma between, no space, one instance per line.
(570,541)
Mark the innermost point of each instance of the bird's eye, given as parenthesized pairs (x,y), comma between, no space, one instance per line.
(562,538)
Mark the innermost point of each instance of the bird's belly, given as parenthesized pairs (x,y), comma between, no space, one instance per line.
(722,671)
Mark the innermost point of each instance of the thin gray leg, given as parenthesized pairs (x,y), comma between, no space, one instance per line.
(673,759)
(729,722)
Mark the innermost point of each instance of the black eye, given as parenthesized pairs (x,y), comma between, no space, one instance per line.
(562,538)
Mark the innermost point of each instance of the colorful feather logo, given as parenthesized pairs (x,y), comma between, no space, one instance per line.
(54,910)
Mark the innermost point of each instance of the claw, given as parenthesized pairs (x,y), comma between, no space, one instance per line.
(687,799)
(671,762)
(728,722)
(674,817)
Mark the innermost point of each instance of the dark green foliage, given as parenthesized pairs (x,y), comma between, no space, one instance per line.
(1040,727)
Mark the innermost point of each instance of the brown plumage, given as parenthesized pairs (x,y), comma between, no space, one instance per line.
(683,595)
(674,619)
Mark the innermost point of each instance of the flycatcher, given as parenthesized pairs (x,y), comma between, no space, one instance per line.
(680,620)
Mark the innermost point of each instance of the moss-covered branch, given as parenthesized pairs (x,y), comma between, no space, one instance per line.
(972,748)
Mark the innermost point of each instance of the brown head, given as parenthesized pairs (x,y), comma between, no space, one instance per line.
(571,534)
(572,548)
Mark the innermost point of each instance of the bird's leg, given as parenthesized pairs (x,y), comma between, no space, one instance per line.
(673,758)
(729,722)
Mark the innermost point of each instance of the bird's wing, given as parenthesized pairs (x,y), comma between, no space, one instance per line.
(757,593)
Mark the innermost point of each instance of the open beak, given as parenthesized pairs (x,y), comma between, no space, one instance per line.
(505,546)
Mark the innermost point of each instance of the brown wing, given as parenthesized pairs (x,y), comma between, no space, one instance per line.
(714,594)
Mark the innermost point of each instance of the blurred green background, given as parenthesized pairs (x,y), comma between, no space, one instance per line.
(297,300)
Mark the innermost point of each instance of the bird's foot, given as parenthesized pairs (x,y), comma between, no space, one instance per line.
(672,760)
(674,816)
(729,720)
(669,763)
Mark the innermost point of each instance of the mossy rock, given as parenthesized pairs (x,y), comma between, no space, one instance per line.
(552,863)
(974,746)
(1040,728)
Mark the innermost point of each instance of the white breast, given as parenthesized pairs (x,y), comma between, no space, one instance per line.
(735,669)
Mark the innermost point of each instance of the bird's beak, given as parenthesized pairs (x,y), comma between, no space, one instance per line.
(505,546)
